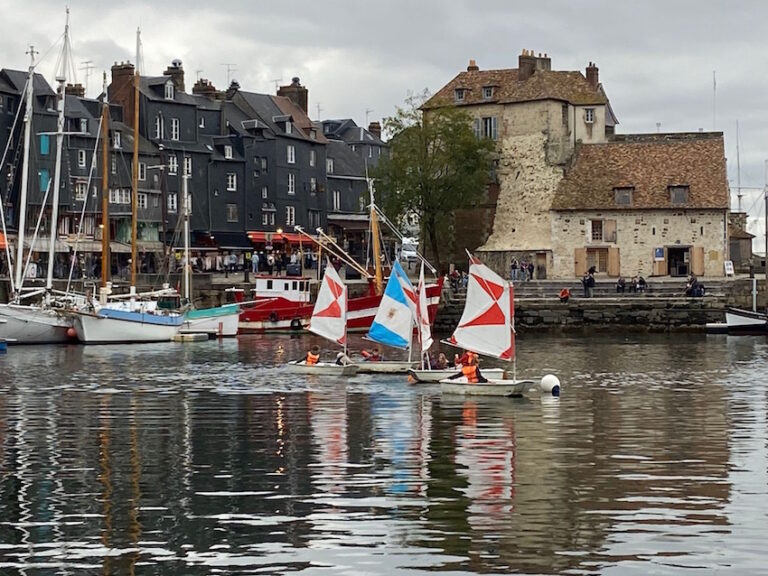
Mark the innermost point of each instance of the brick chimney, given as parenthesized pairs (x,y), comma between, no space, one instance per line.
(297,93)
(375,129)
(592,75)
(473,67)
(234,86)
(526,65)
(176,72)
(120,91)
(543,62)
(205,88)
(75,90)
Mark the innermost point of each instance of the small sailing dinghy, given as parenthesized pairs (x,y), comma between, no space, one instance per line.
(487,327)
(329,320)
(427,373)
(393,324)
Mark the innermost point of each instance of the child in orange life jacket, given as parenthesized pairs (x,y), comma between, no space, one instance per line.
(469,369)
(313,356)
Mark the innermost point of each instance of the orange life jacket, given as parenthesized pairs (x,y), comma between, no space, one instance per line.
(471,373)
(312,358)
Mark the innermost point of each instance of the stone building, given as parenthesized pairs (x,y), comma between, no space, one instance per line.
(537,116)
(647,204)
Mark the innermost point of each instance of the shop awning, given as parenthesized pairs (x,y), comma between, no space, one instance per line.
(232,240)
(43,243)
(119,248)
(84,245)
(257,237)
(290,238)
(150,245)
(3,242)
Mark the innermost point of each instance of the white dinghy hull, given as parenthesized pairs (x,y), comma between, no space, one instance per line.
(321,368)
(427,376)
(385,367)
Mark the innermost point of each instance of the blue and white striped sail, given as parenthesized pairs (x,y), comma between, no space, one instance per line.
(393,324)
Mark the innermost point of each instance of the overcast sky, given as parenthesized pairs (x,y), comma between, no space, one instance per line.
(656,58)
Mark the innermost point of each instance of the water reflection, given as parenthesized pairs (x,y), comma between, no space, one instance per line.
(207,458)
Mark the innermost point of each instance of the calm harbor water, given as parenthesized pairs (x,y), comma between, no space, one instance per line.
(206,458)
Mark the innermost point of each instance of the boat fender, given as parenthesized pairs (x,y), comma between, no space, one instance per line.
(295,324)
(550,384)
(273,316)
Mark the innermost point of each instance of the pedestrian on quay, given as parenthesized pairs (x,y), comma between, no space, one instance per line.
(513,269)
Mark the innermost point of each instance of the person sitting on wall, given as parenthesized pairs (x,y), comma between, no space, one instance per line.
(313,356)
(633,284)
(565,295)
(642,285)
(620,285)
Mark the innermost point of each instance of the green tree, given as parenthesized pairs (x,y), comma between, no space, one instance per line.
(436,164)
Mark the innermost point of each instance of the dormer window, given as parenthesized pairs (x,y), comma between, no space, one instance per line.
(313,134)
(623,196)
(459,94)
(83,125)
(116,139)
(228,152)
(329,165)
(678,194)
(169,90)
(589,115)
(288,127)
(487,92)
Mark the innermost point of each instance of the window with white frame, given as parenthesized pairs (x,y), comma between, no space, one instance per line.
(329,165)
(81,158)
(228,152)
(370,151)
(264,192)
(458,94)
(83,124)
(173,165)
(187,165)
(264,218)
(125,196)
(173,202)
(142,200)
(313,185)
(313,219)
(202,122)
(169,90)
(312,157)
(288,127)
(290,215)
(291,183)
(159,127)
(114,165)
(291,154)
(487,92)
(336,200)
(589,115)
(174,128)
(231,181)
(264,164)
(231,212)
(114,196)
(81,191)
(142,171)
(116,139)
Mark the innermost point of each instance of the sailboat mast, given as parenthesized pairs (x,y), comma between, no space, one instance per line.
(61,78)
(379,281)
(187,267)
(105,256)
(25,172)
(135,169)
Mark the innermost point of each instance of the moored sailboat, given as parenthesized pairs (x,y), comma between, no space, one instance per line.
(487,328)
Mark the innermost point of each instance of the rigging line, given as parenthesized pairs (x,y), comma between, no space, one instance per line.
(37,229)
(94,159)
(51,47)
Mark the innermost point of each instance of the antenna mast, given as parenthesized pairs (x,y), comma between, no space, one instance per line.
(738,168)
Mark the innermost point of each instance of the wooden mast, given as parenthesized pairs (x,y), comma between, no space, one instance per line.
(135,168)
(105,256)
(379,276)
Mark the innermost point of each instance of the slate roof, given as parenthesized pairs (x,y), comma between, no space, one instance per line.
(300,118)
(568,86)
(347,130)
(648,163)
(17,79)
(345,161)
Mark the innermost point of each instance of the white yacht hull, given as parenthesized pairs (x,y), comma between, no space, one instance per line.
(493,387)
(321,368)
(21,324)
(222,326)
(97,329)
(438,375)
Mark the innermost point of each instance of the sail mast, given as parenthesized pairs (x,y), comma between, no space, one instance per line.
(61,78)
(25,172)
(187,267)
(135,169)
(379,281)
(105,256)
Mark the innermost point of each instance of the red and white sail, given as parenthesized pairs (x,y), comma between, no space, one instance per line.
(486,326)
(422,313)
(329,317)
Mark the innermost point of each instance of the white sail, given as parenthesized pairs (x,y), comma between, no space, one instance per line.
(486,326)
(393,324)
(329,317)
(422,314)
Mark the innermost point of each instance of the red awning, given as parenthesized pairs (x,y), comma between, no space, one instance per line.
(282,238)
(257,237)
(2,241)
(293,238)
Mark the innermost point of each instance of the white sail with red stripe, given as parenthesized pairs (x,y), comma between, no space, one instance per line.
(329,317)
(422,314)
(487,324)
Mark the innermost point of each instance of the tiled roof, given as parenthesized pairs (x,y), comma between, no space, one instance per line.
(567,86)
(648,163)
